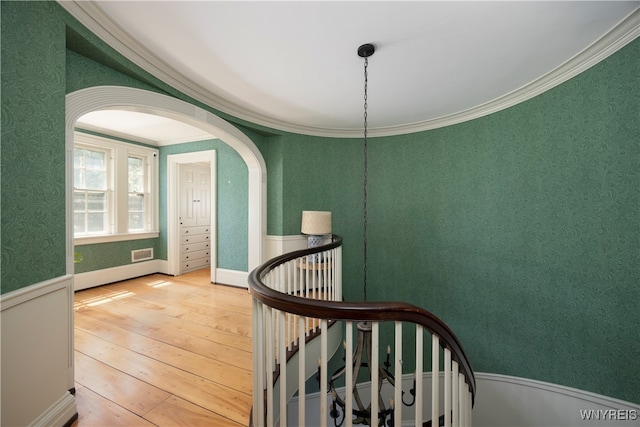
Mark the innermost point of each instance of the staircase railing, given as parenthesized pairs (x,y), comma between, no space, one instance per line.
(297,306)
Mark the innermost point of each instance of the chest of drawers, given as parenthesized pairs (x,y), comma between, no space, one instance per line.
(195,251)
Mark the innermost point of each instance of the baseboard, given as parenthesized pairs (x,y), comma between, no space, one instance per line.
(232,277)
(60,413)
(116,274)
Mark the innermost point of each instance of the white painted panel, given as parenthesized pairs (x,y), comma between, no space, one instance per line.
(278,245)
(508,401)
(37,353)
(116,274)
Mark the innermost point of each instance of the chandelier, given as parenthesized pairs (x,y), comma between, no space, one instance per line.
(362,355)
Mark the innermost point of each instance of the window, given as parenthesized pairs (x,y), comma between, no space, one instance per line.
(115,190)
(136,193)
(90,194)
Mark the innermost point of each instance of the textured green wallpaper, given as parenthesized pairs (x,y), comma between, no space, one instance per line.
(522,231)
(274,159)
(33,141)
(324,174)
(233,208)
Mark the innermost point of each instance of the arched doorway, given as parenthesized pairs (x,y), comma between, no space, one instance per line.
(123,98)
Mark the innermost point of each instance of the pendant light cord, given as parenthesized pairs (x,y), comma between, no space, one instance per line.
(364,285)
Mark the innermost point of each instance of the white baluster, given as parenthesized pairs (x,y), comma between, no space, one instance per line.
(307,278)
(455,391)
(302,393)
(469,408)
(397,393)
(435,379)
(282,359)
(461,403)
(323,372)
(271,364)
(418,373)
(348,400)
(314,285)
(447,387)
(258,363)
(375,374)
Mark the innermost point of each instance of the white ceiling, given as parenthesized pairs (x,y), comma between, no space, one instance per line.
(142,127)
(293,65)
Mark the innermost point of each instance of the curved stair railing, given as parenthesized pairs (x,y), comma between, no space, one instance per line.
(300,322)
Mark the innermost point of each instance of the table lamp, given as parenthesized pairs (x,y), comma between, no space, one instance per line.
(316,224)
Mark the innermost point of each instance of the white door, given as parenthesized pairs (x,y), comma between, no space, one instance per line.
(195,195)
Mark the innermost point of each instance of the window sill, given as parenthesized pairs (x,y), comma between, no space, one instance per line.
(89,240)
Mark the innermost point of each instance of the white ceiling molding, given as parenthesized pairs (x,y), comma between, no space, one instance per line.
(623,34)
(93,17)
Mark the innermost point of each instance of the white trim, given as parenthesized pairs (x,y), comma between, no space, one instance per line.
(91,16)
(118,153)
(571,392)
(59,414)
(232,277)
(116,97)
(36,317)
(89,240)
(503,400)
(115,274)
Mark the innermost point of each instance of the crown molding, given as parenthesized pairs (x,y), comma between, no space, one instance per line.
(91,16)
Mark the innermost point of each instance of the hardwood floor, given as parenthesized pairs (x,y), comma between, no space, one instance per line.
(165,351)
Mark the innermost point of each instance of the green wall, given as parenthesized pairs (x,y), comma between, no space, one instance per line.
(33,141)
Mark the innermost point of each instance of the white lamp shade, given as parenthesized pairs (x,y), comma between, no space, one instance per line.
(316,222)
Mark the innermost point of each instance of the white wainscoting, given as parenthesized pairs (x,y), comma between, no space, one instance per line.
(115,274)
(277,245)
(507,401)
(232,277)
(503,400)
(37,354)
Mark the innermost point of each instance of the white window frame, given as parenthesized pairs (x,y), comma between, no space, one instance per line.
(119,186)
(108,191)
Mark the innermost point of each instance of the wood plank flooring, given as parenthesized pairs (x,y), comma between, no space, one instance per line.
(164,351)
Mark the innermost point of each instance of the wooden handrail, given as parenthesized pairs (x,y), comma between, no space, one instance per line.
(352,311)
